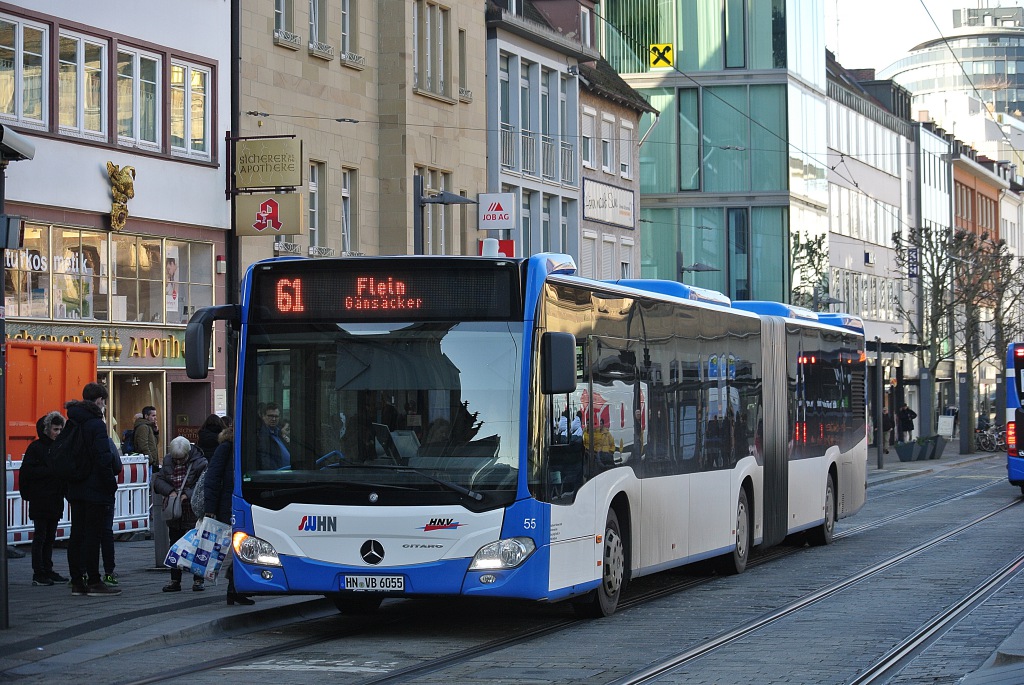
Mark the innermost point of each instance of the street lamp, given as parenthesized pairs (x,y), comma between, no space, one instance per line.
(439,198)
(13,148)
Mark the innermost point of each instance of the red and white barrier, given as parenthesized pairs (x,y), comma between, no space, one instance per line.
(131,502)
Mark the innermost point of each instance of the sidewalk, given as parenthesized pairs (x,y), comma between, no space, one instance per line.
(48,624)
(49,627)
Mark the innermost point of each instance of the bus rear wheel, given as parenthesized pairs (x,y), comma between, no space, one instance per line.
(823,534)
(355,604)
(735,562)
(604,600)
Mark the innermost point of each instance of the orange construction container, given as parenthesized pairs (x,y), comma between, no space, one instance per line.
(41,377)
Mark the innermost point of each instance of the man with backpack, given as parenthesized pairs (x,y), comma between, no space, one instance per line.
(91,487)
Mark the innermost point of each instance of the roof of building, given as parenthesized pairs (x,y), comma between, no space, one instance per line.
(601,78)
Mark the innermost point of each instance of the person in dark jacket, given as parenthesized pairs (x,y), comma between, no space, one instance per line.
(209,435)
(905,417)
(45,496)
(90,497)
(220,482)
(182,466)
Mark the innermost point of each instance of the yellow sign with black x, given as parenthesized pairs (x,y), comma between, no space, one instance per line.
(661,56)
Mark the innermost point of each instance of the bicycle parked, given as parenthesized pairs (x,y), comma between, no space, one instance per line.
(991,439)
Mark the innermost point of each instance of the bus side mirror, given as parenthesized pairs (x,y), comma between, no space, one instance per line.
(199,337)
(557,363)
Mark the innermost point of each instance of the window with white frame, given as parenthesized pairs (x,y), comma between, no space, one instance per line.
(585,36)
(545,222)
(138,98)
(347,45)
(82,85)
(626,150)
(348,180)
(190,110)
(526,222)
(563,228)
(607,257)
(437,218)
(430,48)
(24,71)
(283,15)
(316,18)
(316,205)
(607,144)
(587,137)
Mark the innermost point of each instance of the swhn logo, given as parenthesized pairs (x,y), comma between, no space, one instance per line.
(326,524)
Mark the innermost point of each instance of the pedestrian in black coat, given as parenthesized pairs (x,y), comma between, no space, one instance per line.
(906,418)
(92,496)
(220,483)
(45,496)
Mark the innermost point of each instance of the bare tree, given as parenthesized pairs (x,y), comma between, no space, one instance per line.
(808,268)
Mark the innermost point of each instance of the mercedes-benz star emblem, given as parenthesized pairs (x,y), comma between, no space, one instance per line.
(372,552)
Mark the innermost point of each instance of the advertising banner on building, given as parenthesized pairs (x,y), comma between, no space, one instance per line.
(608,204)
(270,214)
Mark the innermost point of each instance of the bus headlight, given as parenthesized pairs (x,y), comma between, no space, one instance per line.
(502,554)
(254,550)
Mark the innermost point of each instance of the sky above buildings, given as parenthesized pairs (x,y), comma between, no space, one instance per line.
(875,33)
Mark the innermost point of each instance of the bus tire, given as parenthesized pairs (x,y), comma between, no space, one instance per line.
(604,600)
(357,604)
(823,534)
(735,562)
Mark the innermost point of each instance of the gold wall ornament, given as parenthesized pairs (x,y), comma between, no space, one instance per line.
(122,187)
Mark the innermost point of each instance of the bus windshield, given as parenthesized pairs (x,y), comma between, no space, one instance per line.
(410,413)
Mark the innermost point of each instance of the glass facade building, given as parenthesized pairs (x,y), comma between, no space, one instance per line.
(984,62)
(734,163)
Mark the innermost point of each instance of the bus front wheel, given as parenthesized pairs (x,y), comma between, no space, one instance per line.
(604,600)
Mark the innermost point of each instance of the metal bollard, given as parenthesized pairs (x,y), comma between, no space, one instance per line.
(159,529)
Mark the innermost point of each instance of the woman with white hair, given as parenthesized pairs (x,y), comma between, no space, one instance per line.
(182,466)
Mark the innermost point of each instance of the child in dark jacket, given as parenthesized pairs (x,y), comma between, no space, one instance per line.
(45,496)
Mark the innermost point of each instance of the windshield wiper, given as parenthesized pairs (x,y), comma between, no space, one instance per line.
(454,487)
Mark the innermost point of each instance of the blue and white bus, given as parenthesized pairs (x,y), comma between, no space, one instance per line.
(424,396)
(1014,418)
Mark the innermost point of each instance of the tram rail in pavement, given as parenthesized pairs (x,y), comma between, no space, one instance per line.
(48,624)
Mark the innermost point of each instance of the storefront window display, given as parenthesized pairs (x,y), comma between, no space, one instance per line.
(27,275)
(69,273)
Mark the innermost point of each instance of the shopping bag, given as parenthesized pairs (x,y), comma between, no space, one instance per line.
(184,549)
(213,540)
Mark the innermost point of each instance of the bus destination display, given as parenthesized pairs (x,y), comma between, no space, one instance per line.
(395,294)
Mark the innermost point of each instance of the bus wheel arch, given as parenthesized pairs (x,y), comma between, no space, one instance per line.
(823,534)
(615,564)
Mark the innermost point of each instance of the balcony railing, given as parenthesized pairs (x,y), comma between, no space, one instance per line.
(529,145)
(508,146)
(548,158)
(568,164)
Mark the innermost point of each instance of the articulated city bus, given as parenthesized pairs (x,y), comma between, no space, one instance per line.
(424,396)
(1014,418)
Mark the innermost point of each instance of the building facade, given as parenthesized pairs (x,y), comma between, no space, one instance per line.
(124,205)
(735,166)
(609,154)
(377,92)
(533,104)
